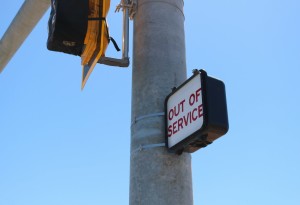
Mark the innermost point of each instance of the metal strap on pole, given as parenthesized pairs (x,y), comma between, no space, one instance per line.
(136,119)
(148,146)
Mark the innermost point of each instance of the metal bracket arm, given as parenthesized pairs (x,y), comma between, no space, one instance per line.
(124,62)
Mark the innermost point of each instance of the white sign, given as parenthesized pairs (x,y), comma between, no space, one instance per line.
(184,111)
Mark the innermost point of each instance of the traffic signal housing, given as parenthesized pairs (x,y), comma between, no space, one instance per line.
(67,26)
(79,27)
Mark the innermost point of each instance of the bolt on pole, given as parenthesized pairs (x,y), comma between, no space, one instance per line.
(159,64)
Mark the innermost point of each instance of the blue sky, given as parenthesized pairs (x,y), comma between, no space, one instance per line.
(60,145)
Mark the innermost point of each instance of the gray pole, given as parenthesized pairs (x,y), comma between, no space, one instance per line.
(156,176)
(28,16)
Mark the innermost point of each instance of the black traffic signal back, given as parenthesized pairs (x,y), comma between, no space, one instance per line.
(79,27)
(67,25)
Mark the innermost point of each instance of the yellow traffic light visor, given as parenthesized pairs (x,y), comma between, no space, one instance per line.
(97,36)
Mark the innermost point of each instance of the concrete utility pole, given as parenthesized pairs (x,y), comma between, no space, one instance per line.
(156,176)
(28,16)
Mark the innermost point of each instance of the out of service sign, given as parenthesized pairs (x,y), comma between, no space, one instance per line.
(184,110)
(195,113)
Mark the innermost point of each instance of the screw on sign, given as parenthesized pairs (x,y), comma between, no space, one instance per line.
(196,113)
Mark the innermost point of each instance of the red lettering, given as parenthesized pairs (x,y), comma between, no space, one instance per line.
(200,110)
(182,106)
(180,121)
(186,119)
(198,94)
(170,131)
(171,115)
(194,117)
(175,127)
(192,99)
(176,111)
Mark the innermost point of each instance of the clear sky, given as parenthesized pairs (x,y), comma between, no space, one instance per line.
(63,146)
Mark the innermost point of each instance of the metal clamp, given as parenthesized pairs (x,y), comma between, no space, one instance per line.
(131,5)
(136,119)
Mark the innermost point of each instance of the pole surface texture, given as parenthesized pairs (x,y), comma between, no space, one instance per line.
(157,177)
